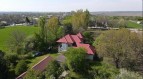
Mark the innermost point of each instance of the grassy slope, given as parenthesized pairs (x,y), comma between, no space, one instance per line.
(133,25)
(5,34)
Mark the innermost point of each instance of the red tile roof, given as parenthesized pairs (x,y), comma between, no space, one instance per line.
(78,40)
(40,66)
(80,35)
(88,47)
(62,40)
(66,39)
(69,39)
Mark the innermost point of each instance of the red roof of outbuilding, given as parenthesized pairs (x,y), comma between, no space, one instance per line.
(40,66)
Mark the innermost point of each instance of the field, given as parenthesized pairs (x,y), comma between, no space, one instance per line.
(5,34)
(133,25)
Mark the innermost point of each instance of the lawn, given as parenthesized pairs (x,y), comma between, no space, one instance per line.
(5,34)
(133,25)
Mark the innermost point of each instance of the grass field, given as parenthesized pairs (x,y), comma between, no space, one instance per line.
(5,34)
(133,25)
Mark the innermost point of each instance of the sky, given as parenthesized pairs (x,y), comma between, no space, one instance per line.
(70,5)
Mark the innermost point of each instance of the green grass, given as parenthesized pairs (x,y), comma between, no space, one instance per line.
(5,34)
(133,25)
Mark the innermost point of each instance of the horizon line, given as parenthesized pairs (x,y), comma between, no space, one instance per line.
(66,11)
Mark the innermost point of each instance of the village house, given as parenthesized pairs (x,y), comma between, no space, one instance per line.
(64,42)
(75,41)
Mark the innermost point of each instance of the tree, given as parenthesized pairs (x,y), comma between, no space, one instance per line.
(49,33)
(29,45)
(1,54)
(85,19)
(80,20)
(67,23)
(11,59)
(16,41)
(41,39)
(125,74)
(102,70)
(54,30)
(21,67)
(122,23)
(88,37)
(75,60)
(113,23)
(27,20)
(53,69)
(43,31)
(120,46)
(3,67)
(68,30)
(101,21)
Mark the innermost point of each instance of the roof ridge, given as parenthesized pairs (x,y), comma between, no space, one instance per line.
(21,75)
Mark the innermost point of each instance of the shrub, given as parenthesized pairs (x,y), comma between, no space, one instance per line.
(53,69)
(11,58)
(31,74)
(101,70)
(1,53)
(3,68)
(125,74)
(26,56)
(21,67)
(76,60)
(88,37)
